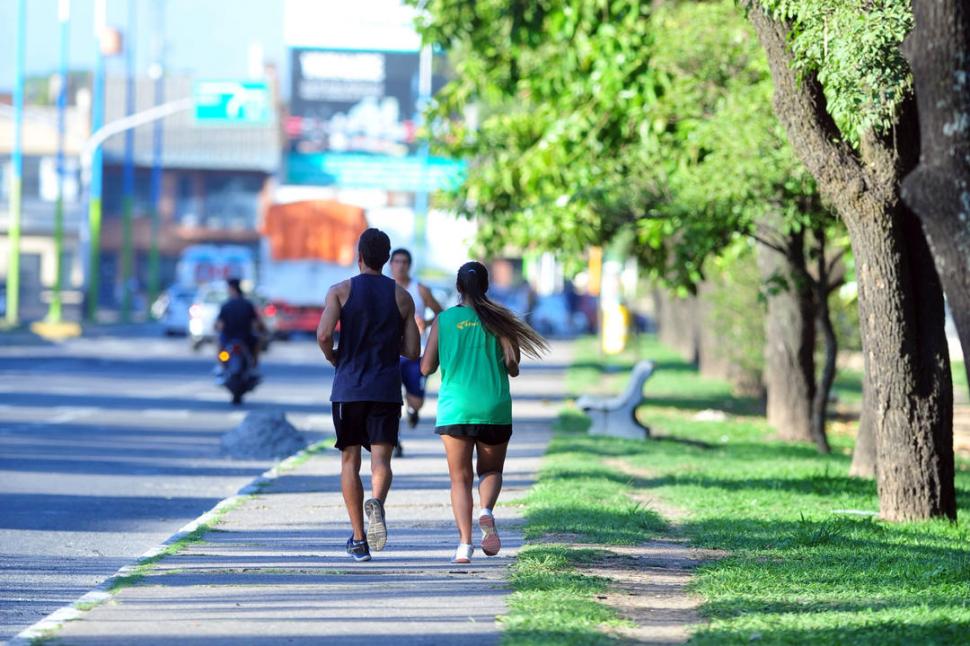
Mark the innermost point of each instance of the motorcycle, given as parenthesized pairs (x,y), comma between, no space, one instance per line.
(236,370)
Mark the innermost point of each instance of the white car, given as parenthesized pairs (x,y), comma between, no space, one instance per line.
(171,309)
(204,311)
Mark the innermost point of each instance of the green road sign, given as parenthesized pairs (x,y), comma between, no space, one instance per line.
(232,102)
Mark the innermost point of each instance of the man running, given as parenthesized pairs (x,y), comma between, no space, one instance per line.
(377,327)
(423,301)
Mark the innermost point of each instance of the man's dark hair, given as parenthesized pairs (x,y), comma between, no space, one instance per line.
(234,285)
(374,248)
(401,251)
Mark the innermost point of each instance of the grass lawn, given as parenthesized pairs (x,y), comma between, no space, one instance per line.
(800,570)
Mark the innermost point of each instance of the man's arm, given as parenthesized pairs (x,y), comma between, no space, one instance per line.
(411,340)
(429,362)
(429,300)
(258,320)
(328,325)
(220,322)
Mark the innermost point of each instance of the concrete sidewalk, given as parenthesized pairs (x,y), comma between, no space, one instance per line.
(275,570)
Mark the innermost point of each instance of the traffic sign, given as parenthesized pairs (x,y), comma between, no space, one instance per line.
(243,102)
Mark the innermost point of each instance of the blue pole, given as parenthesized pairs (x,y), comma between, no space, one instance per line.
(63,17)
(94,193)
(421,194)
(17,170)
(156,188)
(128,172)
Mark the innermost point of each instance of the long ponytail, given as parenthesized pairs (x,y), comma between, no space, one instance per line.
(472,284)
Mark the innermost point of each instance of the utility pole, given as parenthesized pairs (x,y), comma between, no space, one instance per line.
(95,187)
(421,194)
(128,172)
(158,73)
(17,170)
(63,17)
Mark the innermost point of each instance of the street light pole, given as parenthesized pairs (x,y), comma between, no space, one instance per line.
(63,17)
(95,186)
(158,73)
(425,59)
(128,172)
(17,170)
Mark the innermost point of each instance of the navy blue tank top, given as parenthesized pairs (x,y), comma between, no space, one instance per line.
(368,355)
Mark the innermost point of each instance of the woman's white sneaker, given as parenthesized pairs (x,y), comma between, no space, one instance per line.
(491,543)
(463,555)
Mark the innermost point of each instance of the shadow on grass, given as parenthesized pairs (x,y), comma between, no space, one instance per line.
(883,633)
(588,636)
(626,526)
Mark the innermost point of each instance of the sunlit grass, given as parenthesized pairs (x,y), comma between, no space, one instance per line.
(808,562)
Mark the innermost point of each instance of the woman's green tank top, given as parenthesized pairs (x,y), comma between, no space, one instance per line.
(474,380)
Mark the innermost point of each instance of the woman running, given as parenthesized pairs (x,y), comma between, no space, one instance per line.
(478,345)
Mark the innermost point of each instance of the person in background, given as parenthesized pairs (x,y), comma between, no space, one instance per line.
(377,327)
(424,300)
(478,345)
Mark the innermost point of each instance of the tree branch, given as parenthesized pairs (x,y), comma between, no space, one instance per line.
(801,107)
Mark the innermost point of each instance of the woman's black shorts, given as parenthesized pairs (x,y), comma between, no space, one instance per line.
(490,434)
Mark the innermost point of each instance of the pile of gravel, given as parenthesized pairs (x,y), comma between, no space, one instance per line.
(263,435)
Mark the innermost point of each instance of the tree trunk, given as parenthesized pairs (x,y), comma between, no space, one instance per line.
(864,455)
(789,340)
(823,288)
(938,50)
(677,324)
(909,390)
(901,307)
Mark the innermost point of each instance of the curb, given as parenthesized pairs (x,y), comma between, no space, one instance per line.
(88,601)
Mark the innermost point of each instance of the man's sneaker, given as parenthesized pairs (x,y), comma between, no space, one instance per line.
(358,549)
(376,528)
(412,417)
(398,450)
(491,543)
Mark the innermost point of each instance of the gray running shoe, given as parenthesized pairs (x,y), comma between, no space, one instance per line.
(376,527)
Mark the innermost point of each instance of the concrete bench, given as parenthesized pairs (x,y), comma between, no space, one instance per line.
(616,415)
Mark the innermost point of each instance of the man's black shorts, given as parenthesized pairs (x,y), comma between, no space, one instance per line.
(366,423)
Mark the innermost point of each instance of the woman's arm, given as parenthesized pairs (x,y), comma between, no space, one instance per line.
(429,362)
(510,350)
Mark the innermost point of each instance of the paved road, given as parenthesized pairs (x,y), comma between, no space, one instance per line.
(109,444)
(276,571)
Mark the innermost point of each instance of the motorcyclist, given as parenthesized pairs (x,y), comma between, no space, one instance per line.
(238,319)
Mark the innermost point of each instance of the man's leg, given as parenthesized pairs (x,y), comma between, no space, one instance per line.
(414,386)
(352,489)
(380,470)
(414,407)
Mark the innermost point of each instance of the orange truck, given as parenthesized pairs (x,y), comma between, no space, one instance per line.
(307,246)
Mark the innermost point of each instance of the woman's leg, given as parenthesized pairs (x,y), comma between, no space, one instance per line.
(491,462)
(459,453)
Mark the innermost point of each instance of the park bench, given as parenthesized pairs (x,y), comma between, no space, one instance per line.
(616,415)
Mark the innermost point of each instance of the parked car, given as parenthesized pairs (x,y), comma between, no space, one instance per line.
(204,311)
(171,309)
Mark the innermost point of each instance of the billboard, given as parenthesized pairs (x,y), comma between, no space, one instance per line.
(353,101)
(353,122)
